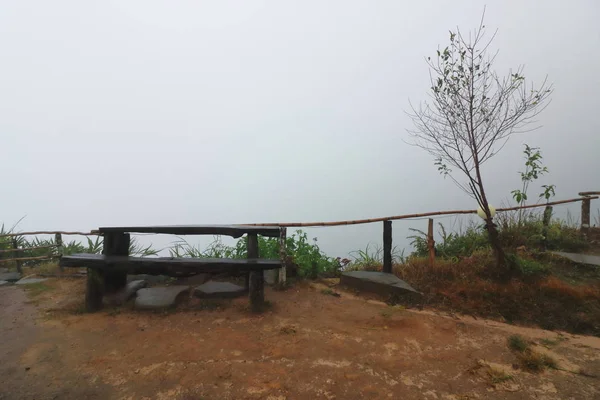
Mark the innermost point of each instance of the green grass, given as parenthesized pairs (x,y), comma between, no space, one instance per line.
(498,376)
(518,343)
(36,289)
(528,233)
(303,254)
(553,342)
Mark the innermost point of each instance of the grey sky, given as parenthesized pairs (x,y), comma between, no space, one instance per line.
(184,112)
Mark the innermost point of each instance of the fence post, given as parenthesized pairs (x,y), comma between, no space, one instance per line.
(585,215)
(387,247)
(15,245)
(59,248)
(282,255)
(431,242)
(546,222)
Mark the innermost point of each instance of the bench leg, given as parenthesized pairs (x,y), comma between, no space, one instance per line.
(114,281)
(115,244)
(257,291)
(95,290)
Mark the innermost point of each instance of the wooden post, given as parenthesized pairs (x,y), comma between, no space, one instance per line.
(94,289)
(100,281)
(251,252)
(282,255)
(546,223)
(585,215)
(59,248)
(255,279)
(387,247)
(15,245)
(115,244)
(431,242)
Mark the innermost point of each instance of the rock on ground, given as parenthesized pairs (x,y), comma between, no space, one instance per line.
(377,282)
(121,297)
(220,290)
(10,276)
(29,281)
(157,298)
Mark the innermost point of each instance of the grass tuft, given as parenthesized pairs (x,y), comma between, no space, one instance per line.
(518,343)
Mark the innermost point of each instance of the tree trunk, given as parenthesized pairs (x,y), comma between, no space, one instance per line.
(499,254)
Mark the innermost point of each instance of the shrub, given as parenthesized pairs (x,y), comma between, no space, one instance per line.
(301,252)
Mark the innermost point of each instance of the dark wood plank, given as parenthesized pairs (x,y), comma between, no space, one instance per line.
(387,246)
(167,265)
(257,291)
(94,289)
(115,244)
(234,231)
(251,253)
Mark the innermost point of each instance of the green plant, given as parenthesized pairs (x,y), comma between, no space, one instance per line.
(453,246)
(472,112)
(371,259)
(498,376)
(136,249)
(304,253)
(518,343)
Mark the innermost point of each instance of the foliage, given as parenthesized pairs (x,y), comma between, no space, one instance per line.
(530,233)
(534,168)
(472,113)
(453,245)
(517,343)
(302,252)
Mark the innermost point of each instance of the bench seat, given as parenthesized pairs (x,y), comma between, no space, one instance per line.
(108,273)
(167,265)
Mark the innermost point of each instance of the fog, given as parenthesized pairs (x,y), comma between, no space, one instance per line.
(196,112)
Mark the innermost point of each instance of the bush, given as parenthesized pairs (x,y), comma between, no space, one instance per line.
(513,234)
(306,255)
(453,245)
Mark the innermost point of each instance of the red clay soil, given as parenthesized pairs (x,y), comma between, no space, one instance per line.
(310,345)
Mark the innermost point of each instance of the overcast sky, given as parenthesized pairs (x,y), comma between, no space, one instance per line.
(198,112)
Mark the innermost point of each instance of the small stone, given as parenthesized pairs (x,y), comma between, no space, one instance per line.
(4,283)
(157,298)
(29,281)
(213,289)
(121,297)
(10,276)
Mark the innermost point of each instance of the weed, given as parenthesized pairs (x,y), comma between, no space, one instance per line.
(518,343)
(36,289)
(288,330)
(535,362)
(553,342)
(498,376)
(330,292)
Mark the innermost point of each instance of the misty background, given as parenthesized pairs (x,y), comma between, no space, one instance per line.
(197,112)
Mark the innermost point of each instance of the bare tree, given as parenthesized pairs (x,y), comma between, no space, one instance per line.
(471,114)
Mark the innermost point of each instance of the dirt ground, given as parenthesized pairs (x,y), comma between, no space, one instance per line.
(310,345)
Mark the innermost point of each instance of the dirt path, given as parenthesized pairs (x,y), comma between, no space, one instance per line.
(310,346)
(33,357)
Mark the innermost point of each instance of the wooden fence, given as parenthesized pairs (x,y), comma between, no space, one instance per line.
(586,229)
(16,252)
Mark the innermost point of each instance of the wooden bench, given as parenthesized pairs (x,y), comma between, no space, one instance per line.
(107,272)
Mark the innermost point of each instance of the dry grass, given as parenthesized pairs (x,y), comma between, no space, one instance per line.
(546,300)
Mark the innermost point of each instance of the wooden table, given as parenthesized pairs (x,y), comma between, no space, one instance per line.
(107,273)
